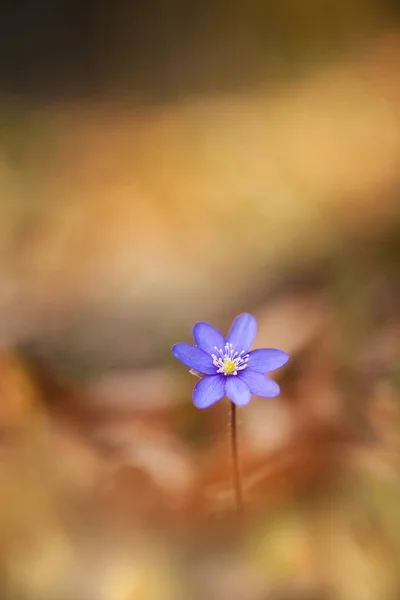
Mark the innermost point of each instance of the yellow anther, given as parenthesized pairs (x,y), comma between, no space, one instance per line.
(229,366)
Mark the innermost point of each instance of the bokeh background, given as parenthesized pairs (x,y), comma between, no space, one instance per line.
(168,162)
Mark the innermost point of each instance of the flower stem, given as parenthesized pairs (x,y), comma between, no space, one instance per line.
(235,461)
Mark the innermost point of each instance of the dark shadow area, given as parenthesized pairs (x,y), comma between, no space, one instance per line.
(162,49)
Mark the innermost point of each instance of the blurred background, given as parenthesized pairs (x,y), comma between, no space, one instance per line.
(168,162)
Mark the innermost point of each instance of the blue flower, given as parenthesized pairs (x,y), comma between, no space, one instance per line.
(229,368)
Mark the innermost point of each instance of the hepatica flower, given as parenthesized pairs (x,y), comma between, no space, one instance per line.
(228,366)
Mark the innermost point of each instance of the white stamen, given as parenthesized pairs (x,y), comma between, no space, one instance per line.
(229,362)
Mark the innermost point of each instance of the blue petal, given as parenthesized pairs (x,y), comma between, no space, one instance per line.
(237,390)
(207,337)
(208,390)
(193,357)
(242,332)
(258,384)
(267,359)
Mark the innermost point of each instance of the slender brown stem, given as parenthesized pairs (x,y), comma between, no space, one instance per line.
(235,461)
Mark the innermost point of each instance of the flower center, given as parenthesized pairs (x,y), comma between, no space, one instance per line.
(229,362)
(229,366)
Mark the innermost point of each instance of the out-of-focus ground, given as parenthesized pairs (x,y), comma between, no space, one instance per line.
(123,221)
